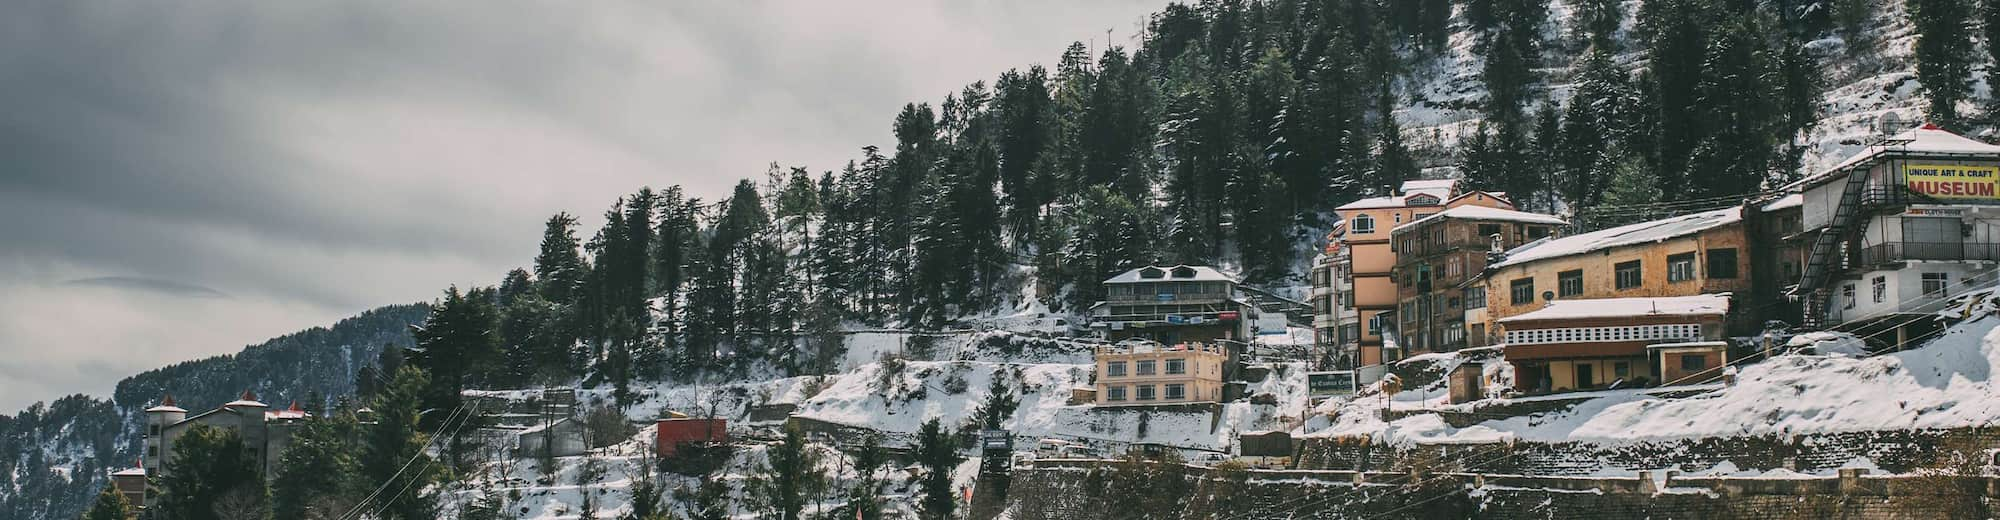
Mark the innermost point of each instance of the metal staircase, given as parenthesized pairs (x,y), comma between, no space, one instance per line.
(1826,258)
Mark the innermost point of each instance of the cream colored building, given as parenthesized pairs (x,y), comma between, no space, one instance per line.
(1142,374)
(1372,261)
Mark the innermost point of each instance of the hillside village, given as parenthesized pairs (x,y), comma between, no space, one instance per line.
(1818,342)
(1456,345)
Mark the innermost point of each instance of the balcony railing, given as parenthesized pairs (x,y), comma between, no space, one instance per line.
(1889,252)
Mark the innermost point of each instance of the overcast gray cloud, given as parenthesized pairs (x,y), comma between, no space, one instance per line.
(180,179)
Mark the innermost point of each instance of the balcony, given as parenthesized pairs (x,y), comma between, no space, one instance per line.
(1891,252)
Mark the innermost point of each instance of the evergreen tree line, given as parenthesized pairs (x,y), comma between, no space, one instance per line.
(1226,137)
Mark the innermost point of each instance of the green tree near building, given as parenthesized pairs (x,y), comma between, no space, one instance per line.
(110,505)
(210,468)
(789,479)
(937,452)
(395,442)
(1944,56)
(316,474)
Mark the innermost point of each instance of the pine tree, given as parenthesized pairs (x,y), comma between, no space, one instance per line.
(110,505)
(1592,121)
(938,454)
(458,347)
(393,449)
(1595,22)
(789,478)
(1392,158)
(317,472)
(867,461)
(209,467)
(1944,56)
(559,267)
(708,501)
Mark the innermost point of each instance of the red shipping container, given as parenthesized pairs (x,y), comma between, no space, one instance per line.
(673,433)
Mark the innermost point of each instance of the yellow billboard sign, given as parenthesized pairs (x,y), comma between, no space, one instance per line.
(1953,181)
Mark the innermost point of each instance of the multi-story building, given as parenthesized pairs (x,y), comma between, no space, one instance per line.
(1371,261)
(1438,254)
(1153,374)
(1700,253)
(1172,305)
(1336,326)
(1897,230)
(1585,344)
(265,433)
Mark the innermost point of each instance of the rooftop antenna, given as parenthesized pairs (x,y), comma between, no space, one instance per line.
(1886,127)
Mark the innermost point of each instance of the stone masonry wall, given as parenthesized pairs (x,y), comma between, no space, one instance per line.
(1121,490)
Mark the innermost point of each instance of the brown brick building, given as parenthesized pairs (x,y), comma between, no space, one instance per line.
(1436,255)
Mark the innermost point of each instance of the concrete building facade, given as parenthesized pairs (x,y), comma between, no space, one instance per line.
(1173,304)
(1371,259)
(1148,374)
(1897,230)
(1435,258)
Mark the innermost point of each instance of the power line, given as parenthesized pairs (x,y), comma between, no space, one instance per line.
(406,464)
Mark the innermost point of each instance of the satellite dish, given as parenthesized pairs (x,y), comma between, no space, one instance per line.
(1548,295)
(1889,124)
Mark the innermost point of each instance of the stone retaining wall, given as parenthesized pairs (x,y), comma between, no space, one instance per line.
(1120,490)
(1895,451)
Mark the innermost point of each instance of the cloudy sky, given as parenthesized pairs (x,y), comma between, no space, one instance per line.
(181,179)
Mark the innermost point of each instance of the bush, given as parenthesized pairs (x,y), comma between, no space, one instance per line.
(698,459)
(606,426)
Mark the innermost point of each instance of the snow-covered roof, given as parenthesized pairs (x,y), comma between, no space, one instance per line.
(1786,202)
(1640,233)
(134,472)
(248,399)
(531,430)
(166,405)
(1178,273)
(1486,213)
(1440,188)
(1696,305)
(1927,139)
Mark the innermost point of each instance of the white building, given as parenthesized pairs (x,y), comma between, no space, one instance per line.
(1898,229)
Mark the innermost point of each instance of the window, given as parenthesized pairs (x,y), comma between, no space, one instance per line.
(1627,274)
(1935,283)
(1621,369)
(1177,391)
(1847,295)
(1569,283)
(1932,232)
(1537,232)
(1694,362)
(152,451)
(1146,393)
(1176,366)
(1375,325)
(1521,291)
(1879,288)
(1475,298)
(1722,264)
(1148,367)
(1364,224)
(1114,369)
(154,430)
(1486,231)
(1115,393)
(1680,268)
